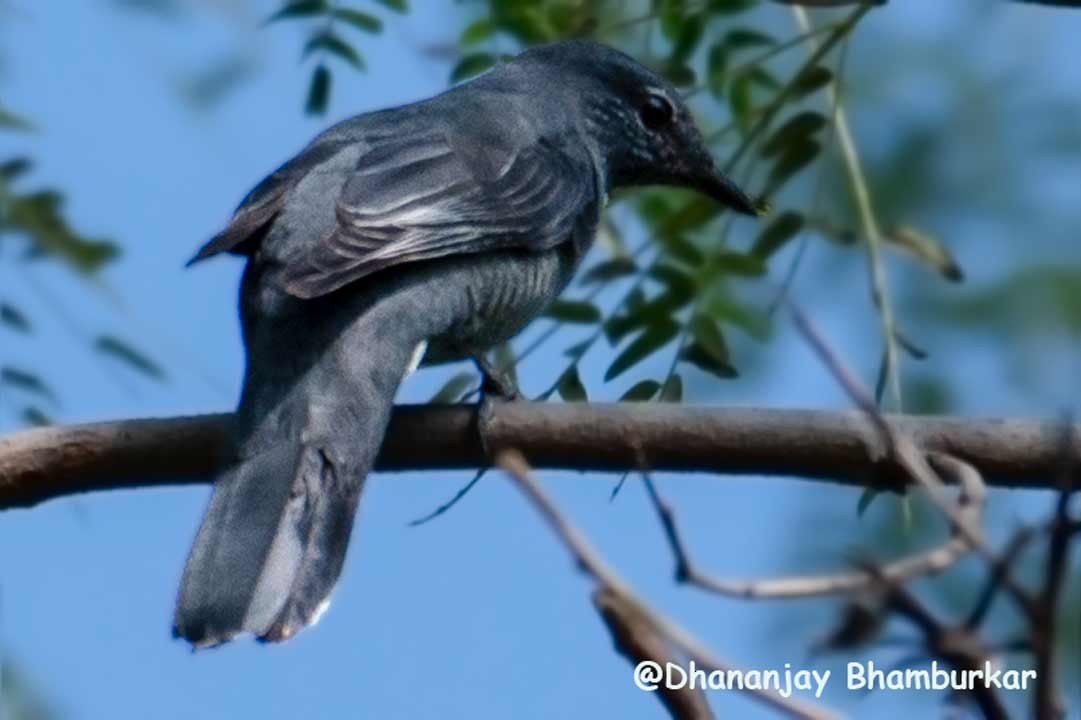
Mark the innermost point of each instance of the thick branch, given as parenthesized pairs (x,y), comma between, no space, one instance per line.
(44,463)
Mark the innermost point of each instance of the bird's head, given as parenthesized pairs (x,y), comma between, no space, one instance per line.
(638,120)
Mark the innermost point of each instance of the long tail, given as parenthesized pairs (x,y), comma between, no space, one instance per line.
(273,541)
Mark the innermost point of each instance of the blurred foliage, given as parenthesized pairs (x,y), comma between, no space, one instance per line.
(19,700)
(682,291)
(332,25)
(678,307)
(33,224)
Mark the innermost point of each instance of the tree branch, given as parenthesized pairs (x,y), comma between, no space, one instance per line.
(45,463)
(926,562)
(615,589)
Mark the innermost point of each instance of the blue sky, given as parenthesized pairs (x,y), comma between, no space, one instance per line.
(480,613)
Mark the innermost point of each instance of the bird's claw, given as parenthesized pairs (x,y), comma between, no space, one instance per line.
(495,383)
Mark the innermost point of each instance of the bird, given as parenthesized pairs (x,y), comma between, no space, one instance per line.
(439,229)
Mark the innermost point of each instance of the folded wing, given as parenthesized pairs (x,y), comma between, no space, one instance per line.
(422,196)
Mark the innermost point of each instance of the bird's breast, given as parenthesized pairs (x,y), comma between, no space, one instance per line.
(505,292)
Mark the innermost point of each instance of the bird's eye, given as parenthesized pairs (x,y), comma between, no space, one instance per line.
(656,112)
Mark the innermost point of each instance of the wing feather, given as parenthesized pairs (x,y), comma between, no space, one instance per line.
(416,198)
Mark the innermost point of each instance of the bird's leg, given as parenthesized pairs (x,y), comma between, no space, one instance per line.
(495,383)
(496,386)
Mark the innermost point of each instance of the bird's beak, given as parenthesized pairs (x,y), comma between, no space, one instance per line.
(707,178)
(727,193)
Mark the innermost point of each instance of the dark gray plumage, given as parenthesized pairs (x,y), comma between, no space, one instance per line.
(449,223)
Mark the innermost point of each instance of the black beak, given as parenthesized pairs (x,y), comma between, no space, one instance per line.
(708,179)
(726,192)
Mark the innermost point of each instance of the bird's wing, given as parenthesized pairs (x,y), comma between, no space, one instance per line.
(418,196)
(264,202)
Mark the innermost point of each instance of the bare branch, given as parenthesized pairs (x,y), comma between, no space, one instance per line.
(959,646)
(45,463)
(637,639)
(934,560)
(1048,705)
(904,450)
(590,562)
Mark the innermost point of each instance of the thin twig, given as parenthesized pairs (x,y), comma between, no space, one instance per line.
(590,562)
(462,492)
(879,281)
(958,646)
(765,117)
(999,574)
(928,562)
(1047,704)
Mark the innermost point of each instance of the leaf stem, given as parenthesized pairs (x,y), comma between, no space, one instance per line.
(880,294)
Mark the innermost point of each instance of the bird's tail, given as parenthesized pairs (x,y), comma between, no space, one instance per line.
(273,541)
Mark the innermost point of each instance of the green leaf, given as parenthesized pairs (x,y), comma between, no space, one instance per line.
(26,381)
(692,215)
(703,359)
(573,18)
(794,159)
(298,9)
(641,391)
(38,215)
(707,334)
(570,386)
(318,91)
(730,7)
(360,20)
(652,339)
(909,346)
(775,235)
(655,207)
(809,81)
(673,389)
(689,38)
(470,65)
(763,78)
(927,250)
(736,263)
(11,121)
(526,22)
(609,270)
(739,98)
(478,31)
(731,312)
(573,311)
(14,318)
(680,74)
(577,350)
(797,128)
(716,68)
(330,43)
(671,17)
(125,353)
(680,283)
(745,37)
(13,168)
(399,6)
(684,250)
(866,498)
(36,417)
(639,314)
(454,388)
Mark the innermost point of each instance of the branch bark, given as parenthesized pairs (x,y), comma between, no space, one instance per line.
(45,463)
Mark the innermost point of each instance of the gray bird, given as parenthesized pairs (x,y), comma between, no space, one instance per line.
(442,227)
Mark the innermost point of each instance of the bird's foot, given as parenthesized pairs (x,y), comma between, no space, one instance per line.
(496,384)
